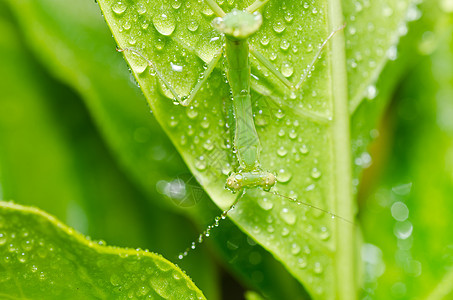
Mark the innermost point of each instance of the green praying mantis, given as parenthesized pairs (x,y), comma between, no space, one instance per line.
(237,26)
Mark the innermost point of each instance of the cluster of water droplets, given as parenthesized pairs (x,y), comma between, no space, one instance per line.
(383,30)
(281,230)
(44,254)
(290,46)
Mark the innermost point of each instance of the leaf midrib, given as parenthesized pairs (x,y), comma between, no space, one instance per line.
(341,155)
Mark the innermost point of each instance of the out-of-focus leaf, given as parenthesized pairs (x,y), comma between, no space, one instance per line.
(74,44)
(43,258)
(407,220)
(44,137)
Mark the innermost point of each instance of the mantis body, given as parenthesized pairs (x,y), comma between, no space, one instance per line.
(237,26)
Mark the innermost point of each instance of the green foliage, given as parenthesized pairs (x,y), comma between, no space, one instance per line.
(311,156)
(77,140)
(55,262)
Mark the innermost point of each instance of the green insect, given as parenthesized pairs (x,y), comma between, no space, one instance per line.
(237,26)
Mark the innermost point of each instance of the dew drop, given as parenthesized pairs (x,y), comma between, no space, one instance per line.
(183,140)
(279,114)
(192,26)
(127,25)
(285,231)
(207,11)
(324,233)
(144,24)
(192,113)
(392,53)
(27,245)
(295,249)
(292,134)
(302,262)
(260,120)
(142,291)
(42,276)
(282,151)
(205,123)
(164,23)
(447,6)
(387,11)
(163,265)
(315,173)
(400,212)
(288,216)
(265,203)
(208,145)
(287,69)
(279,27)
(159,44)
(140,66)
(226,169)
(176,68)
(22,257)
(3,239)
(141,8)
(358,6)
(173,122)
(371,92)
(264,40)
(256,229)
(289,16)
(200,163)
(119,7)
(176,4)
(284,176)
(317,268)
(284,45)
(270,229)
(132,40)
(403,230)
(402,29)
(304,149)
(12,248)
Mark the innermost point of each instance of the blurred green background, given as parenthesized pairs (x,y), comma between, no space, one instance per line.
(77,140)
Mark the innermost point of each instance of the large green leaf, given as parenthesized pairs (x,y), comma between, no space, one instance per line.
(305,138)
(407,219)
(124,126)
(43,258)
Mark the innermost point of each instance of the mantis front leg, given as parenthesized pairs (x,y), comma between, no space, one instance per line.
(270,66)
(184,101)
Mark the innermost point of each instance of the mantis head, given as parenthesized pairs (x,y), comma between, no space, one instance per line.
(257,178)
(238,24)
